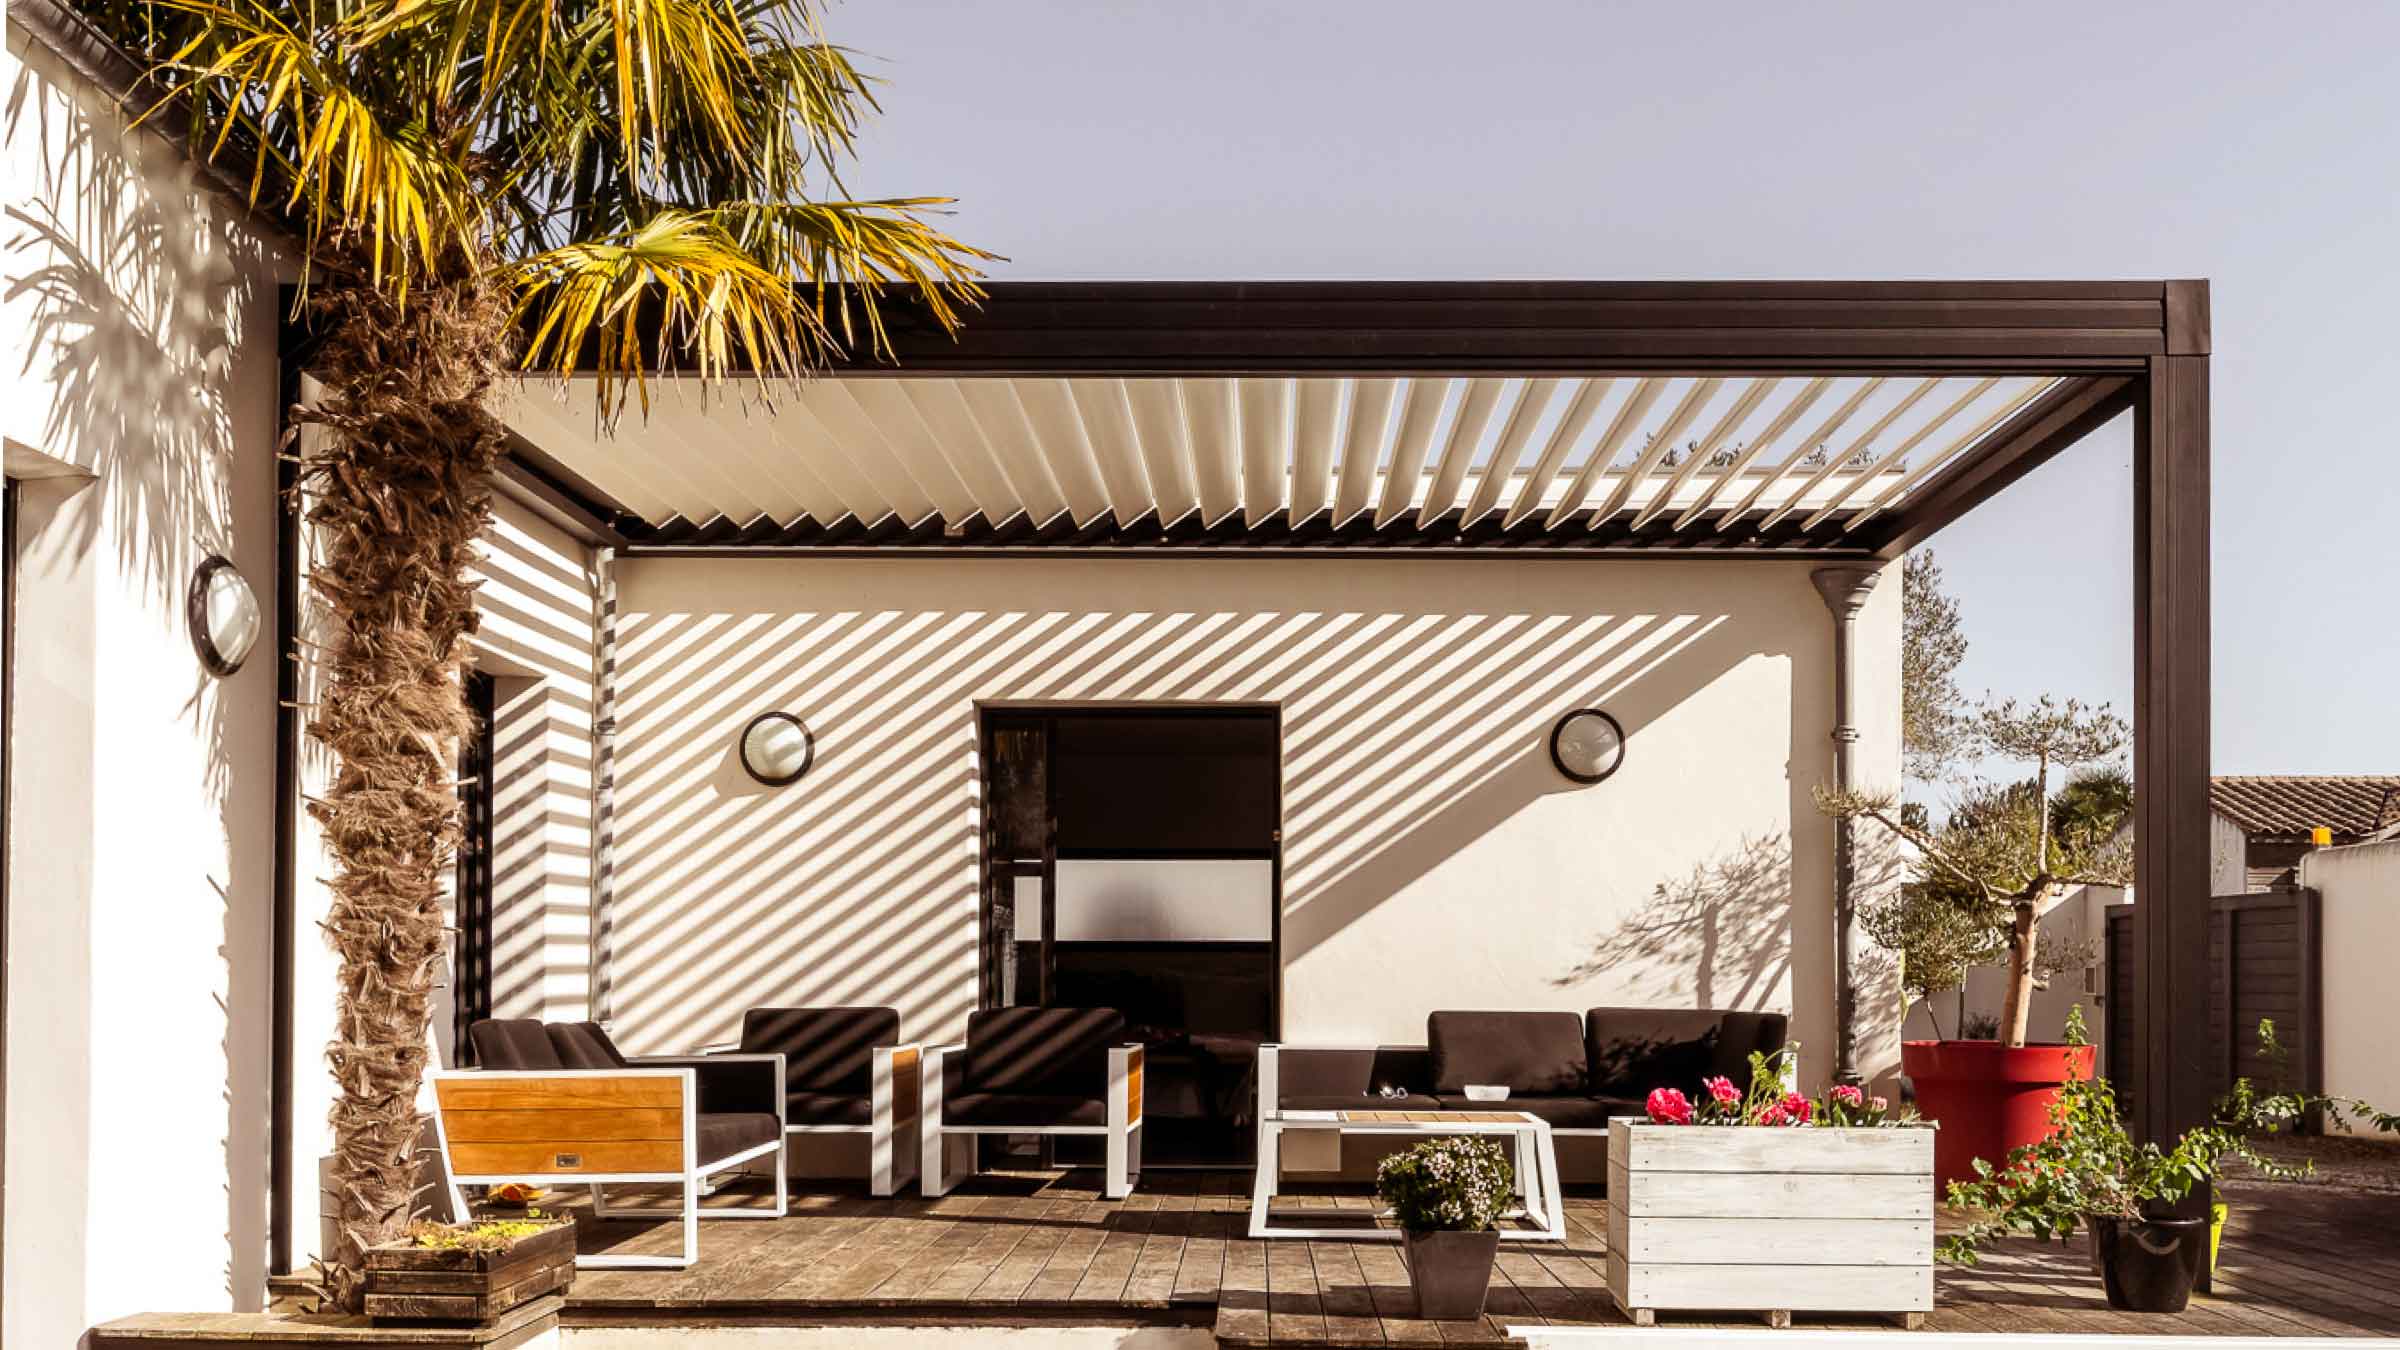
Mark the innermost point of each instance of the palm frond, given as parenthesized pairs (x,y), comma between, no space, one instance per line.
(677,283)
(348,173)
(860,249)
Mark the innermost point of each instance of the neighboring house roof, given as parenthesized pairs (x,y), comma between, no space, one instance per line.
(2289,806)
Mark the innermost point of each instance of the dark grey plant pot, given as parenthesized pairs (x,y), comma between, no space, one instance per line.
(1451,1271)
(2149,1265)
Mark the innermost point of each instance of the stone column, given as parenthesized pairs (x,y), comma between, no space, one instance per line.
(1845,589)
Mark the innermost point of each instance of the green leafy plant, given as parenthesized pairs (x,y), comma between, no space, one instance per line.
(2090,1166)
(1461,1184)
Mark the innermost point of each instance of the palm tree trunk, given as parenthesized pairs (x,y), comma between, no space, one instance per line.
(396,494)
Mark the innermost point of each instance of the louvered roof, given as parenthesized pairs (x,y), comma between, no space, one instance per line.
(1689,459)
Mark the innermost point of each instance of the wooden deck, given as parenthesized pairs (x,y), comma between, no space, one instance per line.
(1044,1247)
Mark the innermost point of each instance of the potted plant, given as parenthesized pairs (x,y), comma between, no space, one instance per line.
(1447,1194)
(1737,1217)
(2089,1172)
(2008,856)
(472,1271)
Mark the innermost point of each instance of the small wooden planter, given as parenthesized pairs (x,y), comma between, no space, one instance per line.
(407,1283)
(1770,1220)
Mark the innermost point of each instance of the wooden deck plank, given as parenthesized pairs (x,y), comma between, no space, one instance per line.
(1152,1281)
(1295,1313)
(1342,1294)
(1127,1231)
(1242,1306)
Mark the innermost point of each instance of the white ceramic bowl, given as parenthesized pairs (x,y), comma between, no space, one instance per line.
(1486,1092)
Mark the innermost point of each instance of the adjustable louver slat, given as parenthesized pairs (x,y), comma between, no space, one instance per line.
(1266,446)
(1410,446)
(1466,434)
(1316,423)
(1362,450)
(1166,446)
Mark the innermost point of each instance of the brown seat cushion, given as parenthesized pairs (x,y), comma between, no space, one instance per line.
(828,1108)
(1538,1053)
(725,1133)
(823,1049)
(1024,1109)
(1058,1052)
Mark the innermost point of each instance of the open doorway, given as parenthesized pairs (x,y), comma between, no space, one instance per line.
(1133,860)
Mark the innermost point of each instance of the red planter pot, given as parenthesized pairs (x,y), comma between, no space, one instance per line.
(1989,1098)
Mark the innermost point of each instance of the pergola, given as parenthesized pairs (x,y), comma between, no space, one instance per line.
(1836,422)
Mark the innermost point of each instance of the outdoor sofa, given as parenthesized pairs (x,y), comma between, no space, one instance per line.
(1573,1072)
(556,1102)
(845,1071)
(1051,1071)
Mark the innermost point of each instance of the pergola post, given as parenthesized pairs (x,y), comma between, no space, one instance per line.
(2171,721)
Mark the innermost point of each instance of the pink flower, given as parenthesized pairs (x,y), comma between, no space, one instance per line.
(1773,1115)
(1879,1103)
(1721,1090)
(1847,1095)
(1797,1108)
(1667,1106)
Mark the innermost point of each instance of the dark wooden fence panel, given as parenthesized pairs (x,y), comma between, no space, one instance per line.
(2264,964)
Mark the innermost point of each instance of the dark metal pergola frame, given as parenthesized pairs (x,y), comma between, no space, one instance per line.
(2141,346)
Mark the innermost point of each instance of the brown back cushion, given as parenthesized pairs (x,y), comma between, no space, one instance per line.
(1636,1049)
(583,1045)
(1528,1052)
(823,1049)
(1058,1051)
(513,1043)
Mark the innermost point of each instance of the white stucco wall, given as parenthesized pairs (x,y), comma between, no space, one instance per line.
(2360,887)
(138,335)
(540,637)
(1433,856)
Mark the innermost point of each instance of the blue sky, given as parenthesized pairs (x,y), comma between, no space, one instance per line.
(2248,144)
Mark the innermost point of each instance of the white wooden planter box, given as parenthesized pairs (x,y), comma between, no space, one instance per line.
(1770,1220)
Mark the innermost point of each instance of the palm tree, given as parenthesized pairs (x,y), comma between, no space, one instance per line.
(478,184)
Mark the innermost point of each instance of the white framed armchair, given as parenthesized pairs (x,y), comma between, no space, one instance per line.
(1048,1071)
(846,1071)
(557,1103)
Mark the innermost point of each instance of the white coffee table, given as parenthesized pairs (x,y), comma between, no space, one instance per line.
(1540,1200)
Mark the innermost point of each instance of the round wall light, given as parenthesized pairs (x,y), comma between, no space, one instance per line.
(222,613)
(777,749)
(1587,745)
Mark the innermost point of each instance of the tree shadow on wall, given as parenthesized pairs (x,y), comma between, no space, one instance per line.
(1719,935)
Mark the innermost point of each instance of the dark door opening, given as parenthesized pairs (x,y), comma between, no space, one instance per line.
(471,968)
(1134,861)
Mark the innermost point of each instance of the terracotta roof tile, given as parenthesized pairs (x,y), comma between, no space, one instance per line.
(2291,805)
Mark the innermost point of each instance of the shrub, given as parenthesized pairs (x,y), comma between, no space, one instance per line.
(1463,1183)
